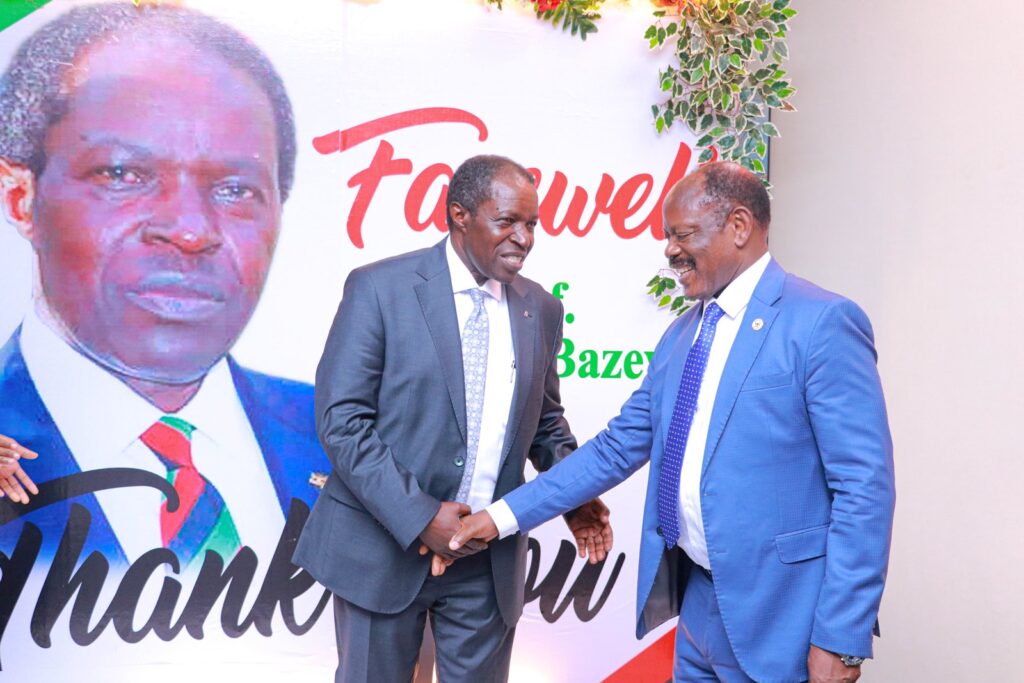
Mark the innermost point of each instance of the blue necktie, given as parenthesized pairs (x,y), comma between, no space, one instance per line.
(679,427)
(474,367)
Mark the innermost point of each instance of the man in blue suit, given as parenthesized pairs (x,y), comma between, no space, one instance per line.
(769,507)
(145,154)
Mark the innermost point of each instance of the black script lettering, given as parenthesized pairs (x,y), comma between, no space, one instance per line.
(582,590)
(14,572)
(63,581)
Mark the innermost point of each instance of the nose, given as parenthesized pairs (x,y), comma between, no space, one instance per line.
(522,237)
(671,249)
(184,218)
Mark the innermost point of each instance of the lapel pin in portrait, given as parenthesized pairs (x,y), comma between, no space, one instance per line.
(317,479)
(757,324)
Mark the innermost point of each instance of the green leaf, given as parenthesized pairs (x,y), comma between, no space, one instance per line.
(659,124)
(762,149)
(781,51)
(773,101)
(661,36)
(789,12)
(762,33)
(706,121)
(715,133)
(725,99)
(758,44)
(653,280)
(769,129)
(705,140)
(728,142)
(758,166)
(780,4)
(677,302)
(664,301)
(705,156)
(651,32)
(654,110)
(735,60)
(672,28)
(742,8)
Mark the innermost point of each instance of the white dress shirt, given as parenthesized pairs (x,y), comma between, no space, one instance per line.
(501,377)
(733,302)
(101,420)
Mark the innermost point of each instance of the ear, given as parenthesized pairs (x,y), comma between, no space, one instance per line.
(17,192)
(460,216)
(741,222)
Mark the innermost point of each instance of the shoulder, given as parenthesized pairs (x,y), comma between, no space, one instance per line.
(393,265)
(288,401)
(821,310)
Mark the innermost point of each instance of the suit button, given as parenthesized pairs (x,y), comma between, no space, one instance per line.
(459,462)
(659,531)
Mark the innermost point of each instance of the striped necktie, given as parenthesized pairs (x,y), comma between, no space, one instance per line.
(202,521)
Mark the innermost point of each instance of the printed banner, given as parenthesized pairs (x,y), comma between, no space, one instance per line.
(172,265)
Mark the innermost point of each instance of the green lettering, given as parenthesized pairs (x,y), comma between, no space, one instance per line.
(613,364)
(634,359)
(588,364)
(650,356)
(569,365)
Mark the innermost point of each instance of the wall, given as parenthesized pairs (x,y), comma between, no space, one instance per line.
(898,184)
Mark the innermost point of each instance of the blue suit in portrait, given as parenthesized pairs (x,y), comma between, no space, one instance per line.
(280,412)
(797,486)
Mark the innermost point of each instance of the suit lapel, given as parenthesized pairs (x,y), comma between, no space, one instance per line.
(524,339)
(24,416)
(273,436)
(677,360)
(744,352)
(437,302)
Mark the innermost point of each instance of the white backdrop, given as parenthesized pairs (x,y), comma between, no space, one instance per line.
(546,99)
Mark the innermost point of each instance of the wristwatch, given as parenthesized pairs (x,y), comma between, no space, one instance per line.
(851,660)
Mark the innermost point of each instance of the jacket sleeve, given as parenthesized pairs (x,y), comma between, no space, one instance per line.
(553,440)
(847,413)
(348,381)
(608,459)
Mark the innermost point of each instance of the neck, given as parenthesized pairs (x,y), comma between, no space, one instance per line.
(169,398)
(461,253)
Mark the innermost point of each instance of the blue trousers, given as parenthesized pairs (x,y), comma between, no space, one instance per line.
(703,652)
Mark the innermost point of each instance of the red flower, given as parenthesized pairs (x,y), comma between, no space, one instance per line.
(547,5)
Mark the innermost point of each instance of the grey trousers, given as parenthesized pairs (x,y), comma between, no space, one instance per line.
(473,643)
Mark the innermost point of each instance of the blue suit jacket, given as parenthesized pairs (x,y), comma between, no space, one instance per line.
(797,488)
(280,412)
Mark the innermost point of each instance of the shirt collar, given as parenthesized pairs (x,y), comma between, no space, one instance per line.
(463,280)
(735,297)
(101,416)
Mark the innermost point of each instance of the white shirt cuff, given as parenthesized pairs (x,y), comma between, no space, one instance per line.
(501,515)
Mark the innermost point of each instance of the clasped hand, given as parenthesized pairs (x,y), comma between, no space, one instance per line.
(589,524)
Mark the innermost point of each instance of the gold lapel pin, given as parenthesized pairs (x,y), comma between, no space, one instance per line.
(317,479)
(757,324)
(526,314)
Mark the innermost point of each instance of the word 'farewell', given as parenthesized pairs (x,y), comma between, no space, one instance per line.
(622,203)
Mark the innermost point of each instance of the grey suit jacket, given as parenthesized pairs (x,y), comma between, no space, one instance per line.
(391,414)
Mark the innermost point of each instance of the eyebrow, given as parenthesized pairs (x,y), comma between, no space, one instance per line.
(140,152)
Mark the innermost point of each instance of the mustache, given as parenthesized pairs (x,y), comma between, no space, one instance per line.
(680,263)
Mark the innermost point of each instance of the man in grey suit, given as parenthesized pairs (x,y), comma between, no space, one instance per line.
(437,382)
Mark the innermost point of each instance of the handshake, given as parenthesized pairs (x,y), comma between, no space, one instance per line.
(455,533)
